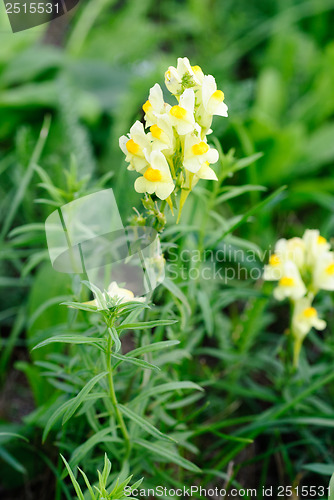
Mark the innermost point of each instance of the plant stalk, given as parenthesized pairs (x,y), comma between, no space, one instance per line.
(114,401)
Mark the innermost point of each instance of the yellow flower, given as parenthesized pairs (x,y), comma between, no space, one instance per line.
(316,246)
(292,249)
(182,115)
(162,135)
(156,178)
(290,284)
(323,272)
(183,76)
(197,152)
(134,146)
(154,106)
(305,317)
(116,294)
(210,103)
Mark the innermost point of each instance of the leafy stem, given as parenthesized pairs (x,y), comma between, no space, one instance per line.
(114,401)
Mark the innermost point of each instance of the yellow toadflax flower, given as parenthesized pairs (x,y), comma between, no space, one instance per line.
(302,267)
(183,76)
(211,103)
(323,273)
(290,284)
(285,250)
(154,106)
(162,135)
(316,246)
(133,147)
(117,294)
(182,115)
(156,178)
(178,133)
(197,152)
(304,318)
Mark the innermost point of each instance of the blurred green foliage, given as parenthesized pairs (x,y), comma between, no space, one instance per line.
(91,74)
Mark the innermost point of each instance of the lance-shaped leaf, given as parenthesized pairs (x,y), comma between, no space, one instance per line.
(169,454)
(81,397)
(144,424)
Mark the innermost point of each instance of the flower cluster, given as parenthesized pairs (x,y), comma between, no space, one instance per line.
(302,267)
(113,296)
(175,154)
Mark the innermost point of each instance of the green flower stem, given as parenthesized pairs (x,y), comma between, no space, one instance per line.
(163,206)
(114,401)
(297,344)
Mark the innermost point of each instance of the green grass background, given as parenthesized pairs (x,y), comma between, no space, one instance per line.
(91,73)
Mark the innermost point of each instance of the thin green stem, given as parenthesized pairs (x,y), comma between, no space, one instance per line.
(162,206)
(34,159)
(114,401)
(297,344)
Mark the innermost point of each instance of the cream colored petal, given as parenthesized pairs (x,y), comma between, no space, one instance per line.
(187,101)
(157,98)
(122,144)
(140,185)
(212,156)
(272,273)
(139,164)
(208,173)
(192,164)
(184,127)
(319,324)
(163,190)
(183,66)
(208,88)
(221,110)
(159,162)
(137,129)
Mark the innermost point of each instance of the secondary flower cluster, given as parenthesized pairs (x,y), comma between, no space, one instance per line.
(302,267)
(175,153)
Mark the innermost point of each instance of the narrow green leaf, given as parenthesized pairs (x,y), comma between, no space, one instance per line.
(54,417)
(244,162)
(90,489)
(27,228)
(144,424)
(204,304)
(233,192)
(152,347)
(10,460)
(135,361)
(169,387)
(80,306)
(13,434)
(250,212)
(19,195)
(98,437)
(81,397)
(175,291)
(74,481)
(167,453)
(331,489)
(115,338)
(145,324)
(69,339)
(323,469)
